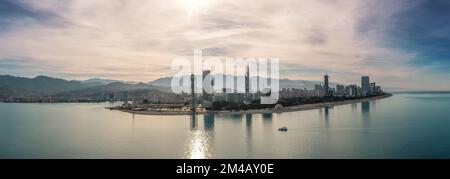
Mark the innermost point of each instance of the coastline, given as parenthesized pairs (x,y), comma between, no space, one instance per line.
(261,111)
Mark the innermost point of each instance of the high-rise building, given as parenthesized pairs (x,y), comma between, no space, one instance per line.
(205,74)
(352,90)
(193,93)
(248,96)
(378,90)
(365,85)
(247,81)
(207,97)
(340,90)
(326,86)
(372,88)
(318,90)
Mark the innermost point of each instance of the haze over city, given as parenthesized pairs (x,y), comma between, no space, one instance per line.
(402,44)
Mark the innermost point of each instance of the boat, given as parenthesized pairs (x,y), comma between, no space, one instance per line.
(283,129)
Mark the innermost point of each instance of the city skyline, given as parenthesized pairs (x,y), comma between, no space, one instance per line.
(134,41)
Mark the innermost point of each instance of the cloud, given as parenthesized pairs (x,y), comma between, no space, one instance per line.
(136,40)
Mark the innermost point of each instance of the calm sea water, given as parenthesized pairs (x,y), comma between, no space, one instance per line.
(407,125)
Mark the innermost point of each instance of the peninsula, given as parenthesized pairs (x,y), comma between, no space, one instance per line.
(277,109)
(230,101)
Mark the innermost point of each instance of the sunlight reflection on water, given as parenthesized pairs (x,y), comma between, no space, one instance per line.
(200,142)
(198,146)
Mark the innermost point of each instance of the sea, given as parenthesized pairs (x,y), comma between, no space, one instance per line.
(406,125)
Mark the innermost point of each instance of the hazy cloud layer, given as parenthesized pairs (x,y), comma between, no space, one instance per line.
(136,40)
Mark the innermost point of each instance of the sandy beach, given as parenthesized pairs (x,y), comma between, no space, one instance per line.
(259,111)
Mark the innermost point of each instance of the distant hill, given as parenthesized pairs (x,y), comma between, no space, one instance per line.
(100,81)
(6,91)
(162,82)
(284,83)
(113,88)
(44,85)
(40,85)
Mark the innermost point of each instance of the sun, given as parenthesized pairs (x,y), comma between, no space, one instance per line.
(193,6)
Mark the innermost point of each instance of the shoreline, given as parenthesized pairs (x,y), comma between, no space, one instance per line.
(262,111)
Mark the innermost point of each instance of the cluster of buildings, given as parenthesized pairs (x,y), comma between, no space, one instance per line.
(204,100)
(325,90)
(231,96)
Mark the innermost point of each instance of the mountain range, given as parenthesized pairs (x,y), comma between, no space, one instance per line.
(100,81)
(44,85)
(284,83)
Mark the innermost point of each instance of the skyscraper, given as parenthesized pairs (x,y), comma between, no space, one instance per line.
(193,92)
(353,90)
(326,86)
(205,74)
(365,85)
(248,96)
(247,81)
(372,88)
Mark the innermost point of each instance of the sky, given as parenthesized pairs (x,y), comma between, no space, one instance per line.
(400,44)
